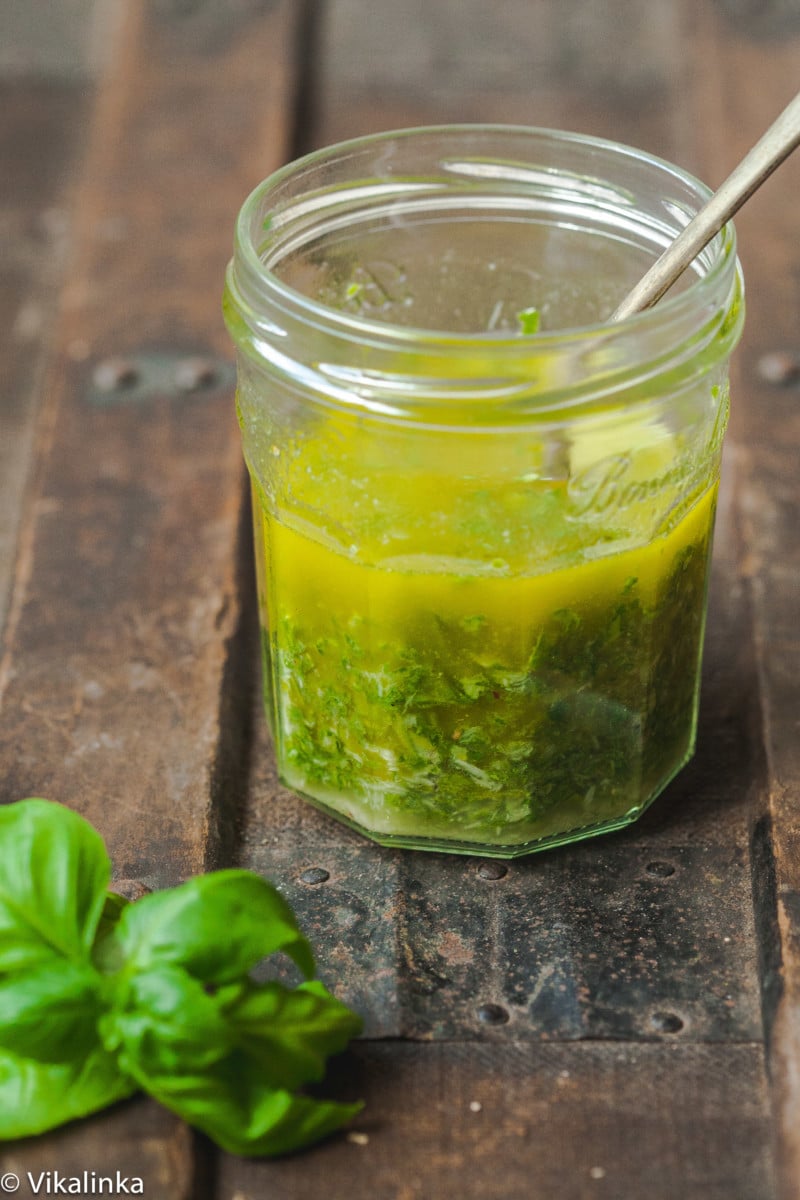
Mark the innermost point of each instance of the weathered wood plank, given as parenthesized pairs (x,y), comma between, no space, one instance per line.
(746,68)
(40,142)
(531,1122)
(138,648)
(594,941)
(608,70)
(124,674)
(136,1138)
(127,600)
(45,41)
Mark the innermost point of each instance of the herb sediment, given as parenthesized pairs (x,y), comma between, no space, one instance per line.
(494,725)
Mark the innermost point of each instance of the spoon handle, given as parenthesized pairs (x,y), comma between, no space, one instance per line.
(782,137)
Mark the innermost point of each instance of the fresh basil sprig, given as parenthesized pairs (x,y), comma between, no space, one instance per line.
(100,998)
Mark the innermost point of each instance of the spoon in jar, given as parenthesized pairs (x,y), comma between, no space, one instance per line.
(782,137)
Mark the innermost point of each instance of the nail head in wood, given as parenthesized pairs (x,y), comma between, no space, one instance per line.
(662,870)
(493,1014)
(780,368)
(314,875)
(492,870)
(666,1022)
(194,374)
(115,374)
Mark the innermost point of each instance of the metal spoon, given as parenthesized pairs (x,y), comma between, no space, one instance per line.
(778,142)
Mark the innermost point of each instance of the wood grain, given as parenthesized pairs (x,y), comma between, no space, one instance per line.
(124,673)
(609,69)
(40,147)
(136,1138)
(645,937)
(127,613)
(532,1122)
(521,1031)
(746,68)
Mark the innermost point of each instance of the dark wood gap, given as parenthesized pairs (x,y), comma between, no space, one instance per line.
(765,901)
(206,1157)
(240,683)
(305,123)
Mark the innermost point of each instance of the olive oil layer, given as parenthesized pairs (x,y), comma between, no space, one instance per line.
(435,700)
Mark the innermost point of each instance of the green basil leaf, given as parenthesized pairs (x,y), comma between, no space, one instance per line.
(54,872)
(234,1105)
(217,927)
(164,1022)
(106,952)
(50,1014)
(291,1033)
(38,1096)
(113,908)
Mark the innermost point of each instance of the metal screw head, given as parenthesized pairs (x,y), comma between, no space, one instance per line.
(662,870)
(780,367)
(492,1014)
(114,374)
(666,1022)
(315,875)
(492,870)
(194,374)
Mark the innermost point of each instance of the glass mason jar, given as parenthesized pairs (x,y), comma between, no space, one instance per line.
(483,514)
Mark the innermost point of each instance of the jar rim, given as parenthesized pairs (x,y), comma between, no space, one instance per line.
(722,246)
(604,358)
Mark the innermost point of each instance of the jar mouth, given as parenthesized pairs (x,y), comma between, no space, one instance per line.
(568,179)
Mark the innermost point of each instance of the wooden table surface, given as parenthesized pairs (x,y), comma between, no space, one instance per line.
(625,1012)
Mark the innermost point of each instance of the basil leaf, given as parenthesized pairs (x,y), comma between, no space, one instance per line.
(98,996)
(113,908)
(50,1014)
(217,927)
(291,1033)
(38,1096)
(165,1022)
(54,871)
(234,1105)
(106,953)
